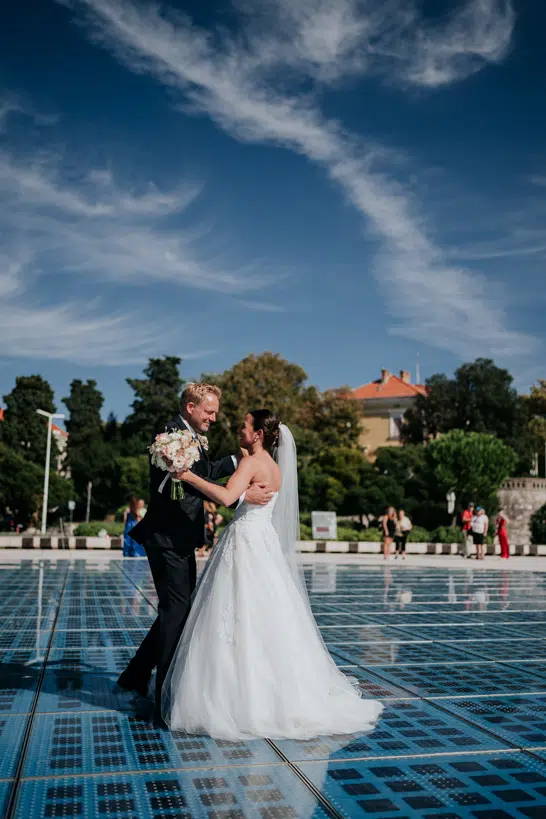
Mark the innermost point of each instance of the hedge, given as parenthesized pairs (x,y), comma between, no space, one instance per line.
(92,529)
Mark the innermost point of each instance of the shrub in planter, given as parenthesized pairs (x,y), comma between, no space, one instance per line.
(347,533)
(306,533)
(419,535)
(538,526)
(93,528)
(447,534)
(372,535)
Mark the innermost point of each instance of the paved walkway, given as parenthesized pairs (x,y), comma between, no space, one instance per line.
(455,650)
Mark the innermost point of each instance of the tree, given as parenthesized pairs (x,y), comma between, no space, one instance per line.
(157,398)
(538,525)
(132,477)
(22,485)
(472,464)
(480,398)
(111,433)
(89,456)
(433,413)
(535,404)
(318,420)
(335,417)
(405,468)
(266,380)
(256,382)
(23,430)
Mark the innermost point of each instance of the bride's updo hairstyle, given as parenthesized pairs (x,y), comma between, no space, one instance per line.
(269,423)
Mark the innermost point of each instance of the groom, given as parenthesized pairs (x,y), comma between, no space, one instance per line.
(170,532)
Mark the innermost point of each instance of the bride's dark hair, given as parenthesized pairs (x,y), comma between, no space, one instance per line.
(269,423)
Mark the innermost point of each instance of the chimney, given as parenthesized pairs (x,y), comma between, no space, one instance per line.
(405,376)
(385,375)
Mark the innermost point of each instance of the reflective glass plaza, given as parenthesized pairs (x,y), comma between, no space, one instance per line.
(458,656)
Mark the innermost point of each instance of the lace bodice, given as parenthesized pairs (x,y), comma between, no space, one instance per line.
(250,513)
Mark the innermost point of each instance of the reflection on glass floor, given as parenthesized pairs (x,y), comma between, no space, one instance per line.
(458,657)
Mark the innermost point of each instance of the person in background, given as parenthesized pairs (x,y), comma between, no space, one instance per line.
(141,508)
(466,520)
(403,528)
(130,519)
(218,520)
(480,526)
(208,531)
(389,531)
(502,534)
(8,521)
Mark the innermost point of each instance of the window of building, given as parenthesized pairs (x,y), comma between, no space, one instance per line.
(395,425)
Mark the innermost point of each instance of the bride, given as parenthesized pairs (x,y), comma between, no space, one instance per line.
(251,661)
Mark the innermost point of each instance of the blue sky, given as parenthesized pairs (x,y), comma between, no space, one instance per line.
(345,182)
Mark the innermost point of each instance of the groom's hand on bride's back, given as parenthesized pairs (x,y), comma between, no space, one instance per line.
(259,494)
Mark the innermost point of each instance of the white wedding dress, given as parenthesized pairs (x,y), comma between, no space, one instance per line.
(251,661)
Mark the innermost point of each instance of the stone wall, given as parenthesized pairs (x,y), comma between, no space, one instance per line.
(520,498)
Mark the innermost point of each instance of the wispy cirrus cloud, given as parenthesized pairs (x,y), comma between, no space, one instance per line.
(330,40)
(263,306)
(255,86)
(81,221)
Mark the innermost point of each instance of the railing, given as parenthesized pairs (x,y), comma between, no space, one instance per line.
(525,483)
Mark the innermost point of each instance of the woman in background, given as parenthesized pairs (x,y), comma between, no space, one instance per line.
(218,520)
(130,519)
(403,528)
(389,531)
(480,527)
(502,534)
(209,530)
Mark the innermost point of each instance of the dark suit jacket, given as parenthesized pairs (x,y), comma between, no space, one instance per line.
(178,523)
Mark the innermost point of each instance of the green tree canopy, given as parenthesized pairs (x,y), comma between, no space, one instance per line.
(318,420)
(535,403)
(157,398)
(480,398)
(334,417)
(90,458)
(22,483)
(132,476)
(259,381)
(23,430)
(472,464)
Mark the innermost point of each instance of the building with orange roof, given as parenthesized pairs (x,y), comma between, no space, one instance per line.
(384,404)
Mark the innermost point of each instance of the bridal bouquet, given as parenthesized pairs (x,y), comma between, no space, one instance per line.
(175,452)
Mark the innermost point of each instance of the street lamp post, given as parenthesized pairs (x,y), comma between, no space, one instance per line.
(50,416)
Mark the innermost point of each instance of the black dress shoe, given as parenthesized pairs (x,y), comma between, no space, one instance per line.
(160,723)
(129,682)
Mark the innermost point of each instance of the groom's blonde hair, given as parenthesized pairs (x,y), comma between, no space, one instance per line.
(196,393)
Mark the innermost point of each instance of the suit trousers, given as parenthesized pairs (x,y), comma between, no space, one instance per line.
(174,579)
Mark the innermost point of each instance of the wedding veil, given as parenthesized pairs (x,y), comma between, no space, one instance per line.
(286,514)
(286,521)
